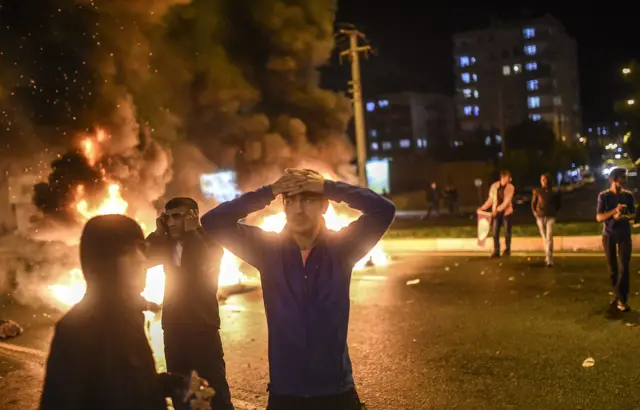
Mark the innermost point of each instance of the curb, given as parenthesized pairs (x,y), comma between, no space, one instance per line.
(522,244)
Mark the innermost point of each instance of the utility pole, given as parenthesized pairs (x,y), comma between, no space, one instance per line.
(501,114)
(354,56)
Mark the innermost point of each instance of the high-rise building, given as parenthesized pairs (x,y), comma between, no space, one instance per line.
(518,70)
(407,123)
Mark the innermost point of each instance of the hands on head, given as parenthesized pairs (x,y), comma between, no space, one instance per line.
(297,181)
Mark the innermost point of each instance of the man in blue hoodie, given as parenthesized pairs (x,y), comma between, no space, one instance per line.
(306,275)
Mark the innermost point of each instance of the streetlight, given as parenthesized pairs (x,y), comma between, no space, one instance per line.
(626,71)
(631,102)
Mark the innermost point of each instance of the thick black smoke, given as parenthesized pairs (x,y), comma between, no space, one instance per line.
(237,78)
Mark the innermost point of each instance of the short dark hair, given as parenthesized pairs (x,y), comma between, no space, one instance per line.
(505,173)
(617,173)
(177,202)
(548,177)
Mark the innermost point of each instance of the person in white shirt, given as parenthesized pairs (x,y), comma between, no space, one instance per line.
(500,202)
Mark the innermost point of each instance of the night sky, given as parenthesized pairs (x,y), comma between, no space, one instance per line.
(414,47)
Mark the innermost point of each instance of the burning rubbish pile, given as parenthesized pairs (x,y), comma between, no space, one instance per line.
(235,82)
(9,329)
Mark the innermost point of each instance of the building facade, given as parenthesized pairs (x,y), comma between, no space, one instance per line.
(408,123)
(511,72)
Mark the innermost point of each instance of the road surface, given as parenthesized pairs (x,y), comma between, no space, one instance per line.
(432,332)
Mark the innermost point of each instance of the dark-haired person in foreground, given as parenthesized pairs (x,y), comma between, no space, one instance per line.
(615,209)
(190,315)
(306,275)
(100,358)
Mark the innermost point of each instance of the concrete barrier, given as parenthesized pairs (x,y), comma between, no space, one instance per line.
(527,244)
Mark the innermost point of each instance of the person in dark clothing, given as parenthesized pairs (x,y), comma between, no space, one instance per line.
(100,358)
(545,204)
(616,207)
(190,315)
(306,275)
(500,202)
(451,194)
(433,199)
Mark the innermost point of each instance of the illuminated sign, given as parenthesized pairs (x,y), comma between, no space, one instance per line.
(220,186)
(378,175)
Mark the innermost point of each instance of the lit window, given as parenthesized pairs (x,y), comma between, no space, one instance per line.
(466,78)
(419,143)
(531,66)
(422,143)
(617,123)
(534,102)
(557,100)
(405,143)
(506,70)
(373,133)
(487,141)
(457,143)
(529,33)
(517,68)
(464,61)
(467,110)
(476,110)
(386,146)
(371,106)
(374,146)
(535,117)
(604,131)
(532,85)
(466,92)
(383,103)
(475,94)
(590,129)
(474,77)
(498,139)
(530,49)
(473,60)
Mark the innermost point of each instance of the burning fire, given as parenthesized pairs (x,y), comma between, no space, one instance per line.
(71,290)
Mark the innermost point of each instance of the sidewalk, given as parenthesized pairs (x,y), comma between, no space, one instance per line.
(528,244)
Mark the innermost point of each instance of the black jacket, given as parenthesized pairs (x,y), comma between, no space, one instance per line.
(100,359)
(190,297)
(545,203)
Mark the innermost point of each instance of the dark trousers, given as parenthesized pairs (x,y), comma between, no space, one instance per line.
(345,401)
(618,252)
(498,221)
(198,349)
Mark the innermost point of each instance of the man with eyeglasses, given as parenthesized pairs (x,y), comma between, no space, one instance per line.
(190,314)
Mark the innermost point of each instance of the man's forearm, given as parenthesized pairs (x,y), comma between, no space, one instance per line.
(361,199)
(606,215)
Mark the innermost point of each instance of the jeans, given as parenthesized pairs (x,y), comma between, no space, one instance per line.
(499,220)
(618,252)
(545,225)
(345,401)
(194,348)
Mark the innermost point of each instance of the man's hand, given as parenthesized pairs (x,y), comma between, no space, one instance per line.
(312,181)
(191,221)
(286,184)
(160,225)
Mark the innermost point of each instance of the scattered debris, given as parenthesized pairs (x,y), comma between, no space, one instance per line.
(446,269)
(482,273)
(456,264)
(512,278)
(629,324)
(413,282)
(589,362)
(9,329)
(546,293)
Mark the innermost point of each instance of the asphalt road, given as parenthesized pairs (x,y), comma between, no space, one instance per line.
(469,333)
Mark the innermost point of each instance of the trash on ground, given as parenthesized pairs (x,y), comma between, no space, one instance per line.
(9,329)
(512,278)
(413,282)
(589,362)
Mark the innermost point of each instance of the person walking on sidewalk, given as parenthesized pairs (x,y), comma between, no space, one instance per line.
(545,204)
(306,274)
(615,209)
(500,202)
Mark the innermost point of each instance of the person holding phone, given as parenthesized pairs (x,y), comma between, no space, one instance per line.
(615,209)
(190,313)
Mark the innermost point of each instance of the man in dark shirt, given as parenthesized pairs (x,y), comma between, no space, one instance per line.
(306,274)
(100,358)
(616,207)
(545,204)
(190,315)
